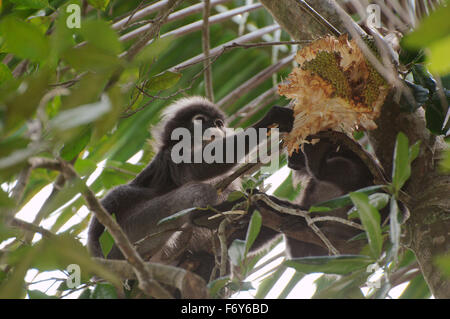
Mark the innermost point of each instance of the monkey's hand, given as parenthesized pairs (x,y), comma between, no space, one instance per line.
(281,116)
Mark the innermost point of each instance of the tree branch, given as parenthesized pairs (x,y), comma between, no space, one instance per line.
(146,282)
(206,46)
(189,284)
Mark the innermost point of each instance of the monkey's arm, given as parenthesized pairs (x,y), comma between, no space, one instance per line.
(142,223)
(241,145)
(118,201)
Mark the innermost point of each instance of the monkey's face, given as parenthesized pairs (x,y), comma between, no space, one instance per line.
(204,123)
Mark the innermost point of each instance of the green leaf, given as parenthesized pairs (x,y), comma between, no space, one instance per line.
(423,77)
(176,215)
(401,169)
(339,265)
(438,57)
(216,285)
(5,200)
(86,294)
(80,115)
(435,113)
(443,262)
(268,283)
(30,4)
(291,285)
(370,218)
(433,28)
(153,50)
(342,287)
(253,230)
(21,106)
(342,201)
(91,58)
(377,200)
(106,242)
(287,190)
(445,163)
(5,74)
(72,148)
(416,289)
(37,294)
(26,41)
(99,4)
(236,252)
(104,291)
(163,81)
(235,195)
(100,34)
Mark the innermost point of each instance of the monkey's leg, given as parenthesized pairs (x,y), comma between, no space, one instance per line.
(142,225)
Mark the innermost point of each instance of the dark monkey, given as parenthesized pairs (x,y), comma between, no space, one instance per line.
(326,171)
(165,187)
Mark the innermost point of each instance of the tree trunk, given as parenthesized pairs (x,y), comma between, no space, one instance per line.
(427,230)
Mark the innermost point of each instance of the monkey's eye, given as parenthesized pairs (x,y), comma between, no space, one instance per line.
(219,123)
(199,117)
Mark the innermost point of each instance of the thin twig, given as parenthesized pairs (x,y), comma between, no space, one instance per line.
(206,46)
(223,246)
(301,213)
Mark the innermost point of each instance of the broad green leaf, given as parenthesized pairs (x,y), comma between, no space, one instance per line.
(443,262)
(69,191)
(26,41)
(21,106)
(72,148)
(163,81)
(106,242)
(253,230)
(414,151)
(445,163)
(80,115)
(377,200)
(341,287)
(86,294)
(433,28)
(268,283)
(216,285)
(235,195)
(339,265)
(5,74)
(37,294)
(423,77)
(342,201)
(99,4)
(401,169)
(291,285)
(236,252)
(287,190)
(30,4)
(5,201)
(91,58)
(438,58)
(153,50)
(416,289)
(104,291)
(370,218)
(62,38)
(104,124)
(176,215)
(100,34)
(435,113)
